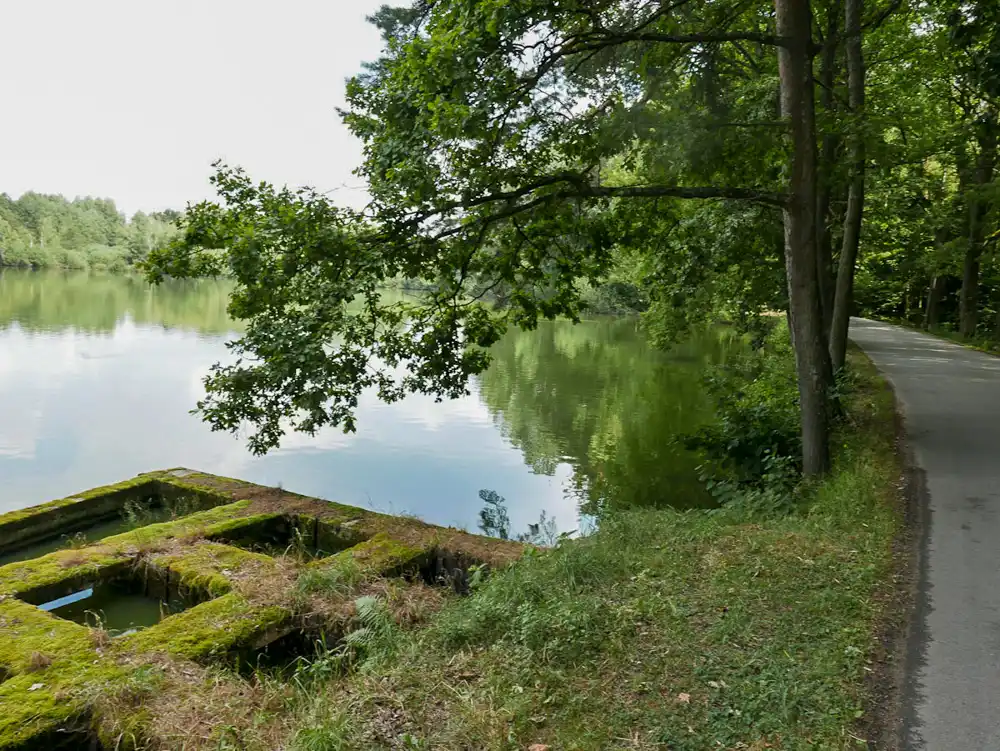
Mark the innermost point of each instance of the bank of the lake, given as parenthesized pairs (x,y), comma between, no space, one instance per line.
(664,629)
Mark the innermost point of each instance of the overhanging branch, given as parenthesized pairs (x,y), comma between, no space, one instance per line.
(582,191)
(770,40)
(672,191)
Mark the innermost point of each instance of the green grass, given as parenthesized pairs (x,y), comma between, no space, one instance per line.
(663,630)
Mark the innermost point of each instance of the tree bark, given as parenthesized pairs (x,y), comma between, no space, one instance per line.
(794,25)
(969,296)
(827,160)
(932,314)
(844,296)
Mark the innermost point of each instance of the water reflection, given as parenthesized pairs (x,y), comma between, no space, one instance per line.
(98,373)
(600,398)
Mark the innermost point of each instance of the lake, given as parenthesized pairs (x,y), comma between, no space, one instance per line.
(98,374)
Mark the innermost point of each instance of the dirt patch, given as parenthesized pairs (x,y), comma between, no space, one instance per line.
(896,629)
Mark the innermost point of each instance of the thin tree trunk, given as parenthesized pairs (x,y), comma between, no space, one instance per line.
(827,159)
(934,294)
(794,24)
(969,297)
(844,296)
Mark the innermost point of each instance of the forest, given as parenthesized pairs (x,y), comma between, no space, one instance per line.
(41,231)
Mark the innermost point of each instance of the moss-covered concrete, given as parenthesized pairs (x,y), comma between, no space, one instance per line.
(31,639)
(241,600)
(64,516)
(39,716)
(207,568)
(67,515)
(221,627)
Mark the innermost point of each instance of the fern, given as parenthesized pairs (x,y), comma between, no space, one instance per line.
(376,629)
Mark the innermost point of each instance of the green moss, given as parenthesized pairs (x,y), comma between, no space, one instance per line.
(33,511)
(202,523)
(207,566)
(200,482)
(29,717)
(227,526)
(69,569)
(224,625)
(51,700)
(382,555)
(30,638)
(40,577)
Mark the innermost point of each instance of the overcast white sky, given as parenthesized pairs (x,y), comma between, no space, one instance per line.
(134,99)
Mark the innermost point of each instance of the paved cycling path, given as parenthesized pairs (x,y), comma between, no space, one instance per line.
(951,404)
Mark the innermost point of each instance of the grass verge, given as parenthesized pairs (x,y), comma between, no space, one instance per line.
(663,630)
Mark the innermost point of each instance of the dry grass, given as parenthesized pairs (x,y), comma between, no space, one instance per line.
(179,705)
(172,704)
(38,661)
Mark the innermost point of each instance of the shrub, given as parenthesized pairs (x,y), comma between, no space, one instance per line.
(68,259)
(755,441)
(614,298)
(20,254)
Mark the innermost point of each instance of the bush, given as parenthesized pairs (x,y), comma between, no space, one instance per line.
(19,254)
(103,257)
(755,443)
(68,259)
(614,298)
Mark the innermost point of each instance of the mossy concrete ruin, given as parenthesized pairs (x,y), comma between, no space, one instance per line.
(243,557)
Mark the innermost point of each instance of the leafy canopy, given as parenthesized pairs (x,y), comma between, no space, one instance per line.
(513,150)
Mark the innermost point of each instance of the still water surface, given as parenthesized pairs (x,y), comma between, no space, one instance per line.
(98,374)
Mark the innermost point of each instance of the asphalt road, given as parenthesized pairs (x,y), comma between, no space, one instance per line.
(951,404)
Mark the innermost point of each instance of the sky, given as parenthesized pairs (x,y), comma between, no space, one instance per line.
(134,99)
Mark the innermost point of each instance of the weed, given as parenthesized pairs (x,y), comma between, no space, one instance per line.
(330,730)
(136,514)
(338,579)
(755,439)
(76,541)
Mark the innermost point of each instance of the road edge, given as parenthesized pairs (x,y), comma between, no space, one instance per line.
(890,722)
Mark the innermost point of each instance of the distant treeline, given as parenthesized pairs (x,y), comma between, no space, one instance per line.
(51,231)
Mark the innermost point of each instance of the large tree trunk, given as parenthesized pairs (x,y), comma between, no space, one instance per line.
(968,300)
(969,297)
(794,24)
(932,314)
(827,160)
(935,293)
(844,296)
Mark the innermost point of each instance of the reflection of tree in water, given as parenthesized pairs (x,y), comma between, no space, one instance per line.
(96,302)
(51,300)
(598,397)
